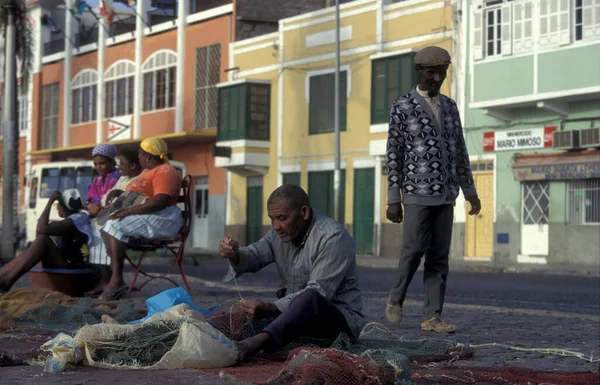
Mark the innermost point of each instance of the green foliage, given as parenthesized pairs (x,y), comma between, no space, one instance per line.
(25,41)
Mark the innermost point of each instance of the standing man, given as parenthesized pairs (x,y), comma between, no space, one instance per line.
(427,159)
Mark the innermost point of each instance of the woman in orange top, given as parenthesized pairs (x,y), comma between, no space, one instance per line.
(157,218)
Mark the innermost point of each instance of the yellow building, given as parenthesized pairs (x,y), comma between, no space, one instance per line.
(276,112)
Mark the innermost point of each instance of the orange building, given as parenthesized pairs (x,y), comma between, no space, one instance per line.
(152,71)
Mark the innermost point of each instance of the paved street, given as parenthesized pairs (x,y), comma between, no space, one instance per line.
(525,310)
(529,310)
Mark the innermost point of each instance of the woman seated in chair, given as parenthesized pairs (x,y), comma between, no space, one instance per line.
(157,218)
(130,168)
(73,234)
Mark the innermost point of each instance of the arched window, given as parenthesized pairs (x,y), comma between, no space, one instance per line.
(119,88)
(159,80)
(83,88)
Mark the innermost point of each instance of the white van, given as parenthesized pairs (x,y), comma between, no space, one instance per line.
(58,176)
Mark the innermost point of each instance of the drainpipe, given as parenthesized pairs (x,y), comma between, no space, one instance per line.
(377,208)
(380,26)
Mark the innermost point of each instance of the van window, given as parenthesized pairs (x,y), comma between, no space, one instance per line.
(50,181)
(85,175)
(67,178)
(33,193)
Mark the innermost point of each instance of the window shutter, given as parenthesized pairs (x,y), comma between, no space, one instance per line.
(522,26)
(528,25)
(591,18)
(564,22)
(379,87)
(544,40)
(506,30)
(477,32)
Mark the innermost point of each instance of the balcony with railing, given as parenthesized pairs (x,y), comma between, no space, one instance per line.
(204,5)
(243,125)
(86,37)
(522,54)
(54,46)
(122,26)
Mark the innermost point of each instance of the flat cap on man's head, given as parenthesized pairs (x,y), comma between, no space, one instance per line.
(432,56)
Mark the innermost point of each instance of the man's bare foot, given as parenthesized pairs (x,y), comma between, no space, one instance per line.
(106,319)
(250,346)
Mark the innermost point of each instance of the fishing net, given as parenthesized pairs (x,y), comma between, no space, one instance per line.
(54,310)
(446,374)
(332,366)
(144,347)
(376,357)
(231,321)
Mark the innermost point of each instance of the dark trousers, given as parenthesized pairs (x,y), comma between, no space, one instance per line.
(309,315)
(427,231)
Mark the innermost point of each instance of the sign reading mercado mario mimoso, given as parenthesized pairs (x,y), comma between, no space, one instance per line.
(522,139)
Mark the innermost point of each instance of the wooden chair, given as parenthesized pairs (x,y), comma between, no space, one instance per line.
(176,246)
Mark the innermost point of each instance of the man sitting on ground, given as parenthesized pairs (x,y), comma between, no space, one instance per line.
(316,259)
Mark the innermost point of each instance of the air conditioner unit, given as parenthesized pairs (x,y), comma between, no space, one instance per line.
(590,137)
(566,140)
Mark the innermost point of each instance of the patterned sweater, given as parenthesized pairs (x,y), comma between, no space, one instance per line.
(426,161)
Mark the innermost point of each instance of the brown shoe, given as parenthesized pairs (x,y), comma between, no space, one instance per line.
(393,313)
(436,324)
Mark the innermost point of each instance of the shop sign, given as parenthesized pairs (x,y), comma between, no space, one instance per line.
(119,128)
(573,171)
(524,139)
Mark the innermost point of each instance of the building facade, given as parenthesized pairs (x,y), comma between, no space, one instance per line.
(276,117)
(151,71)
(532,118)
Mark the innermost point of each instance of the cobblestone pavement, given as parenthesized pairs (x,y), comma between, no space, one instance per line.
(528,311)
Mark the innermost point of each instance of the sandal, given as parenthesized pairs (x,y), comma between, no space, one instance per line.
(93,293)
(113,295)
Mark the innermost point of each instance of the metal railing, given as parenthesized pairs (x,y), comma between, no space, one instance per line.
(122,26)
(86,37)
(203,5)
(54,46)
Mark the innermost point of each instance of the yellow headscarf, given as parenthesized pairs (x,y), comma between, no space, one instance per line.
(156,146)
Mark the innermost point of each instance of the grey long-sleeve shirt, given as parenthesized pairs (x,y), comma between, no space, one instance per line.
(325,261)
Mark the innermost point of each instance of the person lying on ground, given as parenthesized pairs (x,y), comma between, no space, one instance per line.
(103,156)
(316,259)
(73,235)
(157,218)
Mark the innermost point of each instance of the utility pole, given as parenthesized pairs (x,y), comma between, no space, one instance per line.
(337,192)
(10,130)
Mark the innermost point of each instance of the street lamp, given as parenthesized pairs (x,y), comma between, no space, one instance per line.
(11,7)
